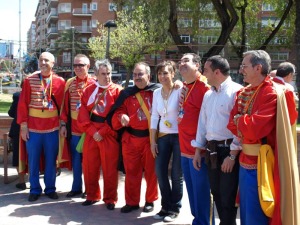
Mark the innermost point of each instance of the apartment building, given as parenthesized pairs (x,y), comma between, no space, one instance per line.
(53,17)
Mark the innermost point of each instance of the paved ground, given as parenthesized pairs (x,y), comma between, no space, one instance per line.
(16,210)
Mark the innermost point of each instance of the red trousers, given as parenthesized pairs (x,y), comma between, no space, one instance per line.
(103,154)
(137,159)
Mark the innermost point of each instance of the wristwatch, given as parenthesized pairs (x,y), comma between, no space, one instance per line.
(232,157)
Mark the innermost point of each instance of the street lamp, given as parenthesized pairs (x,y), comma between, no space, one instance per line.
(72,52)
(109,24)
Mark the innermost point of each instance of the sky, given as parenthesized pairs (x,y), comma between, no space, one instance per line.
(9,20)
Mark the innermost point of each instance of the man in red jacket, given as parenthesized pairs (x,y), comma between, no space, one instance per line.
(38,116)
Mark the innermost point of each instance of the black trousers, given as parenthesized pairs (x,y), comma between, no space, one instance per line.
(224,187)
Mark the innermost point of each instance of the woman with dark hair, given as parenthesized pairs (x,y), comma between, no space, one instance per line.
(164,115)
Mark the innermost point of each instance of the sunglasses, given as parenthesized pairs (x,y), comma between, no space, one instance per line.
(79,65)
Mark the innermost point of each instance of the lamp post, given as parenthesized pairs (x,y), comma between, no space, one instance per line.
(109,24)
(72,52)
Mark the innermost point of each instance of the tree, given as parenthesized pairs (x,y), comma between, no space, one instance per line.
(134,37)
(65,43)
(31,63)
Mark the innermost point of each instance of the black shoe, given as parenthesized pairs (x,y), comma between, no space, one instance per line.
(89,202)
(21,186)
(58,172)
(148,207)
(110,206)
(128,208)
(162,214)
(52,195)
(83,195)
(73,193)
(171,217)
(33,197)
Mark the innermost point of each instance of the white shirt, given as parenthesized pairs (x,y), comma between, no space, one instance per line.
(168,110)
(214,115)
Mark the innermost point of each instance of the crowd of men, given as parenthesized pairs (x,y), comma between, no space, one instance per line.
(236,143)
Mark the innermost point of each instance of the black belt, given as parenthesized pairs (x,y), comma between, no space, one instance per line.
(223,142)
(97,119)
(138,133)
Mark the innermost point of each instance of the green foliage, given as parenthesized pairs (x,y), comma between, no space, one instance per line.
(31,63)
(135,36)
(65,43)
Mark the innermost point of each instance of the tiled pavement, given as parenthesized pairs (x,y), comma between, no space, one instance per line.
(16,210)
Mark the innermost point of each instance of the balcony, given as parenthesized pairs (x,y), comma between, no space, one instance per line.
(53,15)
(81,12)
(52,31)
(79,29)
(52,3)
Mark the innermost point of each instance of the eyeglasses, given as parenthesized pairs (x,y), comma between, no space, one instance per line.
(244,66)
(183,61)
(138,74)
(79,65)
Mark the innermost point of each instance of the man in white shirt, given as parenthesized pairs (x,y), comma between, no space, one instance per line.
(285,72)
(222,147)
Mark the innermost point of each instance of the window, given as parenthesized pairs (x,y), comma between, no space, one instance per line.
(279,40)
(279,56)
(112,7)
(64,24)
(209,23)
(64,8)
(66,57)
(94,23)
(267,7)
(269,21)
(207,39)
(94,6)
(185,38)
(84,40)
(185,22)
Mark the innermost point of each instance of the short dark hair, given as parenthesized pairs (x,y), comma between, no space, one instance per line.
(218,62)
(196,58)
(171,65)
(284,69)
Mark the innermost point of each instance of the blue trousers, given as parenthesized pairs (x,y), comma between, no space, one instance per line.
(76,164)
(45,144)
(250,209)
(171,195)
(198,188)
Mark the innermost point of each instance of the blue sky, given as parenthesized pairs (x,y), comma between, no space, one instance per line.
(9,17)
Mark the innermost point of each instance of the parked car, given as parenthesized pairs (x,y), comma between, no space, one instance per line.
(130,83)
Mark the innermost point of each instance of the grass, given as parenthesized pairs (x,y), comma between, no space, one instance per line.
(5,102)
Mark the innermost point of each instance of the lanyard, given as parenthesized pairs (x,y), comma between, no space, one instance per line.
(45,89)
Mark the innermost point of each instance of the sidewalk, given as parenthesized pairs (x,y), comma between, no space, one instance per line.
(16,210)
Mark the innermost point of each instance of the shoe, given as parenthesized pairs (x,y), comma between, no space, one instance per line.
(58,172)
(89,202)
(73,193)
(33,197)
(83,195)
(171,217)
(21,186)
(128,208)
(148,207)
(110,206)
(159,216)
(52,195)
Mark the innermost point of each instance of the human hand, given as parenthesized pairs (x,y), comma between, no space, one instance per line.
(197,159)
(124,120)
(63,131)
(154,150)
(97,137)
(227,165)
(24,133)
